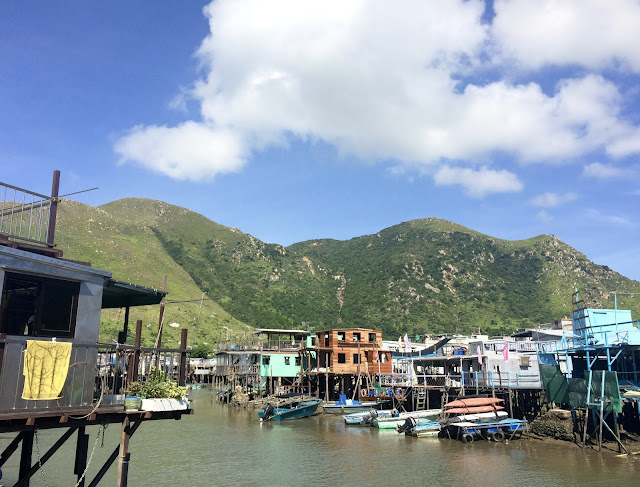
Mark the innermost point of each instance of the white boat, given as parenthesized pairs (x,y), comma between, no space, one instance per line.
(392,422)
(349,406)
(479,417)
(366,417)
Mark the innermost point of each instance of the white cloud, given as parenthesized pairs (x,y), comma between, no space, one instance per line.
(601,217)
(189,151)
(597,170)
(380,80)
(593,33)
(551,200)
(544,216)
(478,183)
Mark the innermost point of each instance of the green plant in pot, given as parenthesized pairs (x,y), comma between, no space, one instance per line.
(157,386)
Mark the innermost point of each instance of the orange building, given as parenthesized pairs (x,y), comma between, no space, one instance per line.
(352,351)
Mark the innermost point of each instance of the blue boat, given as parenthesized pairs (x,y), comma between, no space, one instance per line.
(295,410)
(494,430)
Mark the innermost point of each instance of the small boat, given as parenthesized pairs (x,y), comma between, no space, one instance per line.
(490,430)
(473,401)
(392,422)
(424,426)
(425,430)
(474,409)
(350,406)
(366,417)
(479,417)
(294,410)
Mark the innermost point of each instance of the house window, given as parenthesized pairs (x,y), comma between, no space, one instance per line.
(38,306)
(313,341)
(342,358)
(287,360)
(341,336)
(356,358)
(356,336)
(266,360)
(326,339)
(372,337)
(298,361)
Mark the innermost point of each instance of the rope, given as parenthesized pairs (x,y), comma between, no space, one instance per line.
(95,408)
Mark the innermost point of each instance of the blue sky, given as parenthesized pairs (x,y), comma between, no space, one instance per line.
(295,120)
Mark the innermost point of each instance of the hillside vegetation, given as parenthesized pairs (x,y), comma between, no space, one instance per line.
(422,276)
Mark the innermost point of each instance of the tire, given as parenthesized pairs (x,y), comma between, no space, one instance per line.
(497,436)
(467,438)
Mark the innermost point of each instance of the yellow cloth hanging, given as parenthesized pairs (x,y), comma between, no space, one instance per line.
(46,365)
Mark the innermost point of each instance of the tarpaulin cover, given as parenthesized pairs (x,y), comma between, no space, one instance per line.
(555,383)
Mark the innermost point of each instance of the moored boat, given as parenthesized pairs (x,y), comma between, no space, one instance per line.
(474,409)
(480,417)
(295,410)
(350,406)
(473,401)
(424,430)
(393,422)
(366,417)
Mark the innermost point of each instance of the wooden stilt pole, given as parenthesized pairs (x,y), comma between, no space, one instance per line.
(25,455)
(82,447)
(123,456)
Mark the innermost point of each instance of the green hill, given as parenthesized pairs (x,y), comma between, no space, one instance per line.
(126,245)
(422,276)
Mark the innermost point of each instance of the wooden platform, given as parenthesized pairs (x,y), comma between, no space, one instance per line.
(27,423)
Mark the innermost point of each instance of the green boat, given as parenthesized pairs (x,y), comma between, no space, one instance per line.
(294,410)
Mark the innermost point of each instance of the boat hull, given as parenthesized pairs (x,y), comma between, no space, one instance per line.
(389,423)
(300,410)
(473,401)
(474,409)
(355,407)
(430,429)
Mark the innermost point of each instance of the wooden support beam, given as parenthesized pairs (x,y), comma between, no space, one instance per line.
(25,457)
(31,470)
(82,447)
(10,449)
(132,372)
(53,208)
(123,456)
(182,372)
(113,456)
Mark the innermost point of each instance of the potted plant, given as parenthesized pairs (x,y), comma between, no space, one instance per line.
(158,393)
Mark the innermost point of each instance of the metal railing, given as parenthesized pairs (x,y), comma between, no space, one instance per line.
(466,379)
(25,215)
(119,365)
(94,370)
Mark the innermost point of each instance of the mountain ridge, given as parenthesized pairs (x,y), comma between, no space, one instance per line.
(421,276)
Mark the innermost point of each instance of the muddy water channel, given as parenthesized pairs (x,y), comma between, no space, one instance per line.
(221,445)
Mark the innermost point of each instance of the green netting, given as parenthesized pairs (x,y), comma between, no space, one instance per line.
(555,383)
(377,387)
(577,393)
(611,393)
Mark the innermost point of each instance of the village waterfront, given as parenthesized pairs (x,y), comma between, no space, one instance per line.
(226,445)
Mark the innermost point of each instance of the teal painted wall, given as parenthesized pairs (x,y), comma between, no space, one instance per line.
(278,366)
